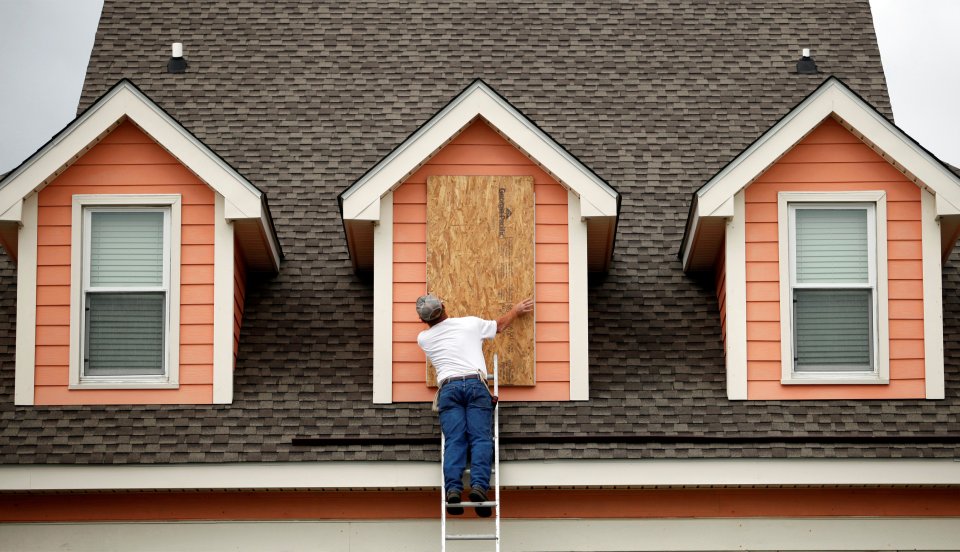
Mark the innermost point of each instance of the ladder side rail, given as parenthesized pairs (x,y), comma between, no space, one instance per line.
(443,497)
(496,449)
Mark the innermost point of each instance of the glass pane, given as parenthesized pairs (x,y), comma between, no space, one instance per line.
(832,245)
(126,248)
(834,329)
(124,334)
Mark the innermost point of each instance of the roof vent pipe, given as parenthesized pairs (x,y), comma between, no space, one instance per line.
(177,64)
(806,65)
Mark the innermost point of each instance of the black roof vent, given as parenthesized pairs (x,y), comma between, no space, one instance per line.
(806,65)
(177,64)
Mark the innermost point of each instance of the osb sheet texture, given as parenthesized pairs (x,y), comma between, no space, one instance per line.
(480,243)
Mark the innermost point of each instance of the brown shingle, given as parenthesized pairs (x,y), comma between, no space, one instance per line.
(303,97)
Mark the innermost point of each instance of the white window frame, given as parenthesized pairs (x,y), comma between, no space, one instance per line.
(82,207)
(875,201)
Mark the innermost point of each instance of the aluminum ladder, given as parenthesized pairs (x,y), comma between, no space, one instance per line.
(494,479)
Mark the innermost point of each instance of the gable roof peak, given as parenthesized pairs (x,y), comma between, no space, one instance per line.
(360,202)
(244,202)
(713,202)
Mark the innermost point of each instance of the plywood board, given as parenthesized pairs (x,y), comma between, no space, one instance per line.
(480,245)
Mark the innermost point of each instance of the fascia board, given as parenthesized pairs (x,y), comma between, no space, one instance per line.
(724,211)
(14,213)
(535,143)
(944,207)
(833,97)
(477,100)
(765,151)
(126,100)
(405,158)
(192,153)
(691,238)
(525,473)
(899,147)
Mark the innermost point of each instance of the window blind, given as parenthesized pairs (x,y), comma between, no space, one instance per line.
(833,291)
(124,330)
(833,329)
(124,334)
(126,249)
(831,246)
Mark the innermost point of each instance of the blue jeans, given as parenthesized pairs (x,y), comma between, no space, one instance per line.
(466,411)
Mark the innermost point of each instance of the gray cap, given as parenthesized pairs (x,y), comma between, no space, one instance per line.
(429,307)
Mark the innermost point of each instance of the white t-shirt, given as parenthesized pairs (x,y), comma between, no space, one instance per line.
(454,346)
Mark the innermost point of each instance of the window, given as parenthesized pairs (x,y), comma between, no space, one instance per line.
(834,306)
(128,271)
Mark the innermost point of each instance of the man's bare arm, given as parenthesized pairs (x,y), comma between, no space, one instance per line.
(518,310)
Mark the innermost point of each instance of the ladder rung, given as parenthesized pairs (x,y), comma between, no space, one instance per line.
(482,536)
(476,504)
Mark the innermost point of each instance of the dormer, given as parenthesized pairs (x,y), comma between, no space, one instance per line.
(530,218)
(133,241)
(826,237)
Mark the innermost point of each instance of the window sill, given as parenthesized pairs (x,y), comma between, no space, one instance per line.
(124,385)
(836,379)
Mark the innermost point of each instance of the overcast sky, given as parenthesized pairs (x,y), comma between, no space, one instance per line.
(45,45)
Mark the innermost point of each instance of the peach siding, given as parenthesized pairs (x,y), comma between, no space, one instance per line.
(517,504)
(126,161)
(833,159)
(722,293)
(239,294)
(479,150)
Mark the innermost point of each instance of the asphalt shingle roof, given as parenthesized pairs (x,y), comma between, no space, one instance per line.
(655,96)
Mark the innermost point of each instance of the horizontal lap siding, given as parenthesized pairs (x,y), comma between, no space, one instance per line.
(480,151)
(125,162)
(833,159)
(722,294)
(239,293)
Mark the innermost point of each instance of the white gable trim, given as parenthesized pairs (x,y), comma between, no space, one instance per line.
(126,101)
(361,200)
(832,98)
(24,363)
(383,304)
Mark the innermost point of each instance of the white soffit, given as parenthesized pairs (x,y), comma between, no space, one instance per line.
(832,98)
(527,473)
(126,101)
(360,202)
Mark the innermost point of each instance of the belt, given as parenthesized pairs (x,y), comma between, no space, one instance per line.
(460,378)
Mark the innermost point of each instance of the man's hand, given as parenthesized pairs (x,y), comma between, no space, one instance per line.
(520,309)
(523,307)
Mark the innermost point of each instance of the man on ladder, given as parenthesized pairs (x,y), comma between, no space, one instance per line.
(454,347)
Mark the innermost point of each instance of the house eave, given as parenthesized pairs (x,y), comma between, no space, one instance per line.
(516,474)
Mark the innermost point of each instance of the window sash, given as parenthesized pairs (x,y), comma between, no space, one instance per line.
(825,284)
(118,288)
(814,330)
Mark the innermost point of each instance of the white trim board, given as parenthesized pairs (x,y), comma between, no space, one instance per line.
(223,299)
(735,281)
(383,304)
(832,98)
(25,365)
(126,101)
(79,249)
(932,298)
(360,199)
(577,297)
(527,473)
(543,535)
(877,230)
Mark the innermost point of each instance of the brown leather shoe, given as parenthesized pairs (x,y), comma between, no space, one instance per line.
(479,495)
(453,497)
